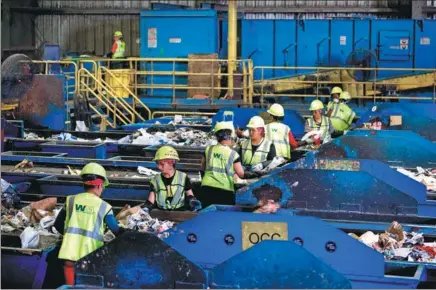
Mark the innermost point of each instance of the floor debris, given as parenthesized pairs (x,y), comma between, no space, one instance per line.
(426,177)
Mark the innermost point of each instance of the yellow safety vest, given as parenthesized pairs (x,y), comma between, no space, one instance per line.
(342,116)
(324,125)
(278,133)
(121,49)
(177,191)
(219,172)
(259,156)
(84,225)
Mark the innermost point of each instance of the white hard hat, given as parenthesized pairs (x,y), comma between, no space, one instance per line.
(276,110)
(256,122)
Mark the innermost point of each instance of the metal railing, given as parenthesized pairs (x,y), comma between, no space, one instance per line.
(106,98)
(173,77)
(379,84)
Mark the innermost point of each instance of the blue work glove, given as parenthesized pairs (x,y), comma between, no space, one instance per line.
(147,207)
(194,204)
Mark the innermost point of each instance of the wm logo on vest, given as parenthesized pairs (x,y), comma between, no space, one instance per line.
(274,130)
(84,209)
(217,155)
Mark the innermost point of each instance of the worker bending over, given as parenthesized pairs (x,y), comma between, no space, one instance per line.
(339,112)
(318,122)
(83,219)
(171,189)
(256,152)
(220,164)
(280,134)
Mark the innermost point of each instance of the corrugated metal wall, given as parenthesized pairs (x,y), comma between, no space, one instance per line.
(93,33)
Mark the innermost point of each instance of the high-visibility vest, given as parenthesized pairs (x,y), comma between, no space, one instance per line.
(342,116)
(121,49)
(324,125)
(259,156)
(84,225)
(278,134)
(177,188)
(219,171)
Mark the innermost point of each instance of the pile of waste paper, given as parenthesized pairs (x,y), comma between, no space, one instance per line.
(426,177)
(34,223)
(396,244)
(135,218)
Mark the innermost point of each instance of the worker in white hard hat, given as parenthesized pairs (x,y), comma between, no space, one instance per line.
(279,133)
(257,151)
(342,115)
(171,190)
(220,164)
(318,122)
(118,50)
(334,94)
(83,220)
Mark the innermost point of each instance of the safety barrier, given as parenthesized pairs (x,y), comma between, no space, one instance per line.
(376,84)
(172,77)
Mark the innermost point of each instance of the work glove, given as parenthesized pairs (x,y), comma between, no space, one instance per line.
(194,204)
(301,143)
(147,207)
(249,174)
(257,167)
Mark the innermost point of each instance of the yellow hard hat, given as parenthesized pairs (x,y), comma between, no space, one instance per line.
(345,96)
(316,105)
(336,90)
(95,169)
(224,125)
(256,122)
(166,152)
(118,33)
(276,110)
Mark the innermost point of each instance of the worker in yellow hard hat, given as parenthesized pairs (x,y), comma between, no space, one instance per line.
(220,164)
(83,219)
(334,94)
(118,50)
(171,189)
(342,115)
(279,133)
(318,122)
(257,150)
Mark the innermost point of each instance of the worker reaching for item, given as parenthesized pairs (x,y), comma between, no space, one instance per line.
(118,50)
(339,112)
(171,189)
(334,94)
(83,219)
(220,164)
(318,125)
(257,152)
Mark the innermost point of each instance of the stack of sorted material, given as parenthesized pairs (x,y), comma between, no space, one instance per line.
(426,177)
(201,83)
(35,222)
(395,244)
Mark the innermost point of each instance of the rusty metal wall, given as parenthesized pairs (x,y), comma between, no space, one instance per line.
(107,3)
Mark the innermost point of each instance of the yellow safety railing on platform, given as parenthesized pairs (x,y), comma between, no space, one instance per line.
(110,102)
(172,76)
(311,80)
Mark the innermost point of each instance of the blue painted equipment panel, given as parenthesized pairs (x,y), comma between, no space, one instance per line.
(425,44)
(285,49)
(341,43)
(394,45)
(173,33)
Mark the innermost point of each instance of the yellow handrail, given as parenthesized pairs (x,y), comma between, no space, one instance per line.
(128,90)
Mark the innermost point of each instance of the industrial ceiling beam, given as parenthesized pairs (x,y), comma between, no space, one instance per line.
(304,9)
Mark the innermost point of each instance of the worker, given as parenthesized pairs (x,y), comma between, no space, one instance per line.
(279,133)
(220,164)
(334,94)
(83,218)
(256,152)
(268,199)
(171,189)
(318,121)
(342,115)
(118,50)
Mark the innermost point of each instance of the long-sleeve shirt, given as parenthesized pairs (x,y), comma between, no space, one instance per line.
(109,219)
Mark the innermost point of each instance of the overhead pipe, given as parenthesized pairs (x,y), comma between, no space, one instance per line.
(232,40)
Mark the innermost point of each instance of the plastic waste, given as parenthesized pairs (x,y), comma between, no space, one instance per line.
(146,171)
(29,238)
(81,127)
